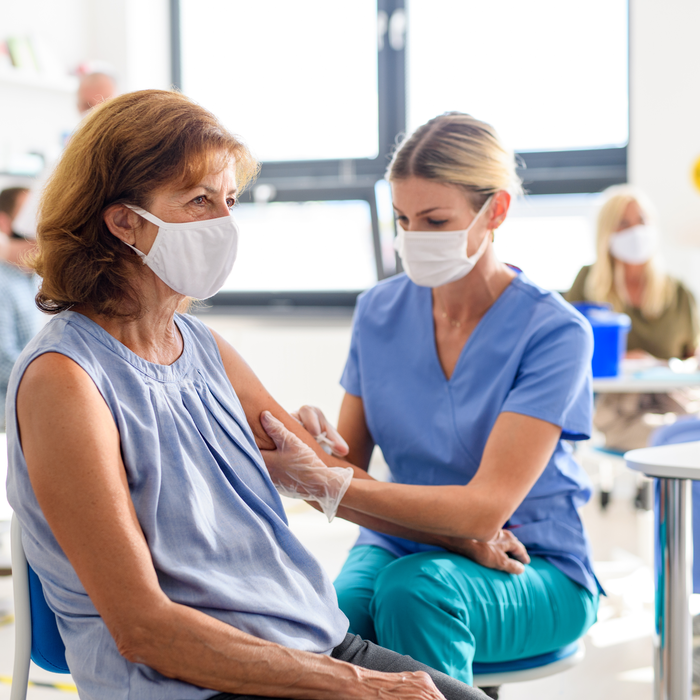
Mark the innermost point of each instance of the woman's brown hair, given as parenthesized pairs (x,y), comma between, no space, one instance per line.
(126,149)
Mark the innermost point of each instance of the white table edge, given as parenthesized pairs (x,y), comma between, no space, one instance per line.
(680,461)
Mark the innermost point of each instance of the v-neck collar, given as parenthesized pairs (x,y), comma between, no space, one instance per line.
(483,321)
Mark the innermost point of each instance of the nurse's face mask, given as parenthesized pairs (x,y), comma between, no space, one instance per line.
(434,258)
(193,258)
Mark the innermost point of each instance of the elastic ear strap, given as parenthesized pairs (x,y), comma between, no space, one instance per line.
(145,215)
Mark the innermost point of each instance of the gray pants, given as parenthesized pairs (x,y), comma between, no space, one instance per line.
(356,650)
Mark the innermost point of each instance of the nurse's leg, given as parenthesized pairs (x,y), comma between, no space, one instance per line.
(355,587)
(448,611)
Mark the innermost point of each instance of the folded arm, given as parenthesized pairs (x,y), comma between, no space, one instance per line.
(72,449)
(516,453)
(255,399)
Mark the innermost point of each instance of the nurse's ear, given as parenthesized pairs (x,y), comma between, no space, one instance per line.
(122,222)
(498,209)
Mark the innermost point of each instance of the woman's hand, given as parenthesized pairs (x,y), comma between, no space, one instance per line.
(324,432)
(297,472)
(495,553)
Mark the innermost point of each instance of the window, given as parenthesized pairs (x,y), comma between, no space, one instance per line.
(320,91)
(297,79)
(549,237)
(296,246)
(549,75)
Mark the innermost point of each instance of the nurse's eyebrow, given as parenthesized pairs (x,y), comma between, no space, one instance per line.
(425,211)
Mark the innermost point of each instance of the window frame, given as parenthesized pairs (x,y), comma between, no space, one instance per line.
(542,172)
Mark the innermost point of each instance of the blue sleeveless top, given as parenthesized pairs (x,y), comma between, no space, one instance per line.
(529,354)
(213,520)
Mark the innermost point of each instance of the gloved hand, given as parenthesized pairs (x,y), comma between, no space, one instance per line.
(322,430)
(297,472)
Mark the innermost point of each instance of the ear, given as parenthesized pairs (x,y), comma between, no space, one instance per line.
(122,222)
(499,209)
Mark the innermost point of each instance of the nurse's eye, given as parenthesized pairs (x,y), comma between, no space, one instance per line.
(200,200)
(231,202)
(437,222)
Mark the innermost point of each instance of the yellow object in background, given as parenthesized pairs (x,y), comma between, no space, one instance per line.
(696,174)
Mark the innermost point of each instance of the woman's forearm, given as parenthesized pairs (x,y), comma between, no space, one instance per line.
(188,645)
(434,512)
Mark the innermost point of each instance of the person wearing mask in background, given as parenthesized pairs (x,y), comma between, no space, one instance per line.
(628,275)
(471,380)
(97,84)
(20,320)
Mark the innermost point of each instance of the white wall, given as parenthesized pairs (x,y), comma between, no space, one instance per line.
(133,35)
(665,123)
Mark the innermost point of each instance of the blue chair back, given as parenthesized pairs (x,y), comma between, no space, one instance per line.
(48,650)
(685,429)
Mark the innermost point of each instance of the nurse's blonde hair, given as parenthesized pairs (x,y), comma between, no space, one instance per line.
(457,149)
(605,281)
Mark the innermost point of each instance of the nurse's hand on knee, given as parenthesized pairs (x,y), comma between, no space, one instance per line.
(325,433)
(504,552)
(297,472)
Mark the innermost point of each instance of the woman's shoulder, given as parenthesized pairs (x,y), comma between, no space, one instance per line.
(682,292)
(578,288)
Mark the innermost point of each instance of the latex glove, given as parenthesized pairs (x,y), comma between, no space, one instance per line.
(324,432)
(504,552)
(297,472)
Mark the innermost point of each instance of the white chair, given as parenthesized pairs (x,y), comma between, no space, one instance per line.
(36,634)
(496,674)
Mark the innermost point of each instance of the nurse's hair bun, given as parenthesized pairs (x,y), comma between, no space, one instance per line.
(457,149)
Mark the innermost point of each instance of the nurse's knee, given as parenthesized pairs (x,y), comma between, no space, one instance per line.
(411,582)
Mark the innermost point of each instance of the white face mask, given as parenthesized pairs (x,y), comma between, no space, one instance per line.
(192,258)
(634,245)
(434,258)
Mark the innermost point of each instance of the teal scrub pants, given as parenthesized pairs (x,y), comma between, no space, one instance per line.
(447,611)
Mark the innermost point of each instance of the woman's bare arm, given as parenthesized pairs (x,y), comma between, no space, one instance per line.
(516,453)
(352,425)
(72,450)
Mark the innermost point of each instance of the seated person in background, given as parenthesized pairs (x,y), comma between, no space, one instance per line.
(20,320)
(13,246)
(146,509)
(628,275)
(96,85)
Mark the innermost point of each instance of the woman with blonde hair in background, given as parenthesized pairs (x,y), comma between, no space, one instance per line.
(628,274)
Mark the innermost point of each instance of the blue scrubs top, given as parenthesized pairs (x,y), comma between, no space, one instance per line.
(529,354)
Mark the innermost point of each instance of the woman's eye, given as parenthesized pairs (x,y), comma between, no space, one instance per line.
(436,222)
(199,200)
(231,202)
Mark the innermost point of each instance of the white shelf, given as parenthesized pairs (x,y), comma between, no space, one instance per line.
(34,79)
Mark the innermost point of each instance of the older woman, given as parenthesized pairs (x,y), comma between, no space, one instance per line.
(145,506)
(472,380)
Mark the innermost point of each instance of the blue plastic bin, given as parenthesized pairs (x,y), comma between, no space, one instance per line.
(610,331)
